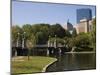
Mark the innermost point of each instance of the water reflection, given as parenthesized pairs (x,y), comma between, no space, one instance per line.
(76,61)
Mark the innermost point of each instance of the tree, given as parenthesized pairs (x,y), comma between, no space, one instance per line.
(15,30)
(58,30)
(28,29)
(30,43)
(41,30)
(68,34)
(72,42)
(67,40)
(40,37)
(83,40)
(74,33)
(58,40)
(93,34)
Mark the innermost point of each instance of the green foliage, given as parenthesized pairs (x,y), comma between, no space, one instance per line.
(41,30)
(59,40)
(30,43)
(39,34)
(93,34)
(41,38)
(67,40)
(80,40)
(28,29)
(58,30)
(74,33)
(83,40)
(15,30)
(68,34)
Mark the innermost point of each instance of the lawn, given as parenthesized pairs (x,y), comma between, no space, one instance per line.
(21,65)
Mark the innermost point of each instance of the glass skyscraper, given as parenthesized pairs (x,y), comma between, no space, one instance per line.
(84,13)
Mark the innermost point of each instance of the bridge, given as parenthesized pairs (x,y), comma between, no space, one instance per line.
(54,47)
(40,50)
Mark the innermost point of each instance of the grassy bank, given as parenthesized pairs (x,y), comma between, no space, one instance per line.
(21,65)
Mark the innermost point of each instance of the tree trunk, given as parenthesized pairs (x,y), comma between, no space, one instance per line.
(28,54)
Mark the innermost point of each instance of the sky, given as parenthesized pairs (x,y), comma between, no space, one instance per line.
(35,12)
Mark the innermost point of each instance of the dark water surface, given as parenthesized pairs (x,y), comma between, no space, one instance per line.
(73,61)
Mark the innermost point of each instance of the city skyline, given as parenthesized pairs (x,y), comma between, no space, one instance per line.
(35,12)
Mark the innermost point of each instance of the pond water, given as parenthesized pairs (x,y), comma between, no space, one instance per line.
(73,61)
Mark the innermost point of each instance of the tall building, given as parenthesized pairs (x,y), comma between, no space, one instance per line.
(84,13)
(69,26)
(84,26)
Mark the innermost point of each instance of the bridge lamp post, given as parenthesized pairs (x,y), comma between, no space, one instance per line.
(23,40)
(55,42)
(49,45)
(17,45)
(49,41)
(18,40)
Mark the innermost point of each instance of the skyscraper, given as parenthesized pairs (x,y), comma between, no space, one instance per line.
(84,13)
(69,26)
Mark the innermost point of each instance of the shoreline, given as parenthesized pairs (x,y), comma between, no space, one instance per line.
(44,68)
(79,52)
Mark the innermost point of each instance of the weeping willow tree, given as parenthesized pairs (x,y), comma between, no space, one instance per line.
(30,43)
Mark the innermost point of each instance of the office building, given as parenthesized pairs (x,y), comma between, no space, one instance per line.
(84,13)
(84,26)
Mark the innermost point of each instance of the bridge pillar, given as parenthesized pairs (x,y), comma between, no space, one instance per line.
(15,53)
(52,51)
(48,52)
(59,51)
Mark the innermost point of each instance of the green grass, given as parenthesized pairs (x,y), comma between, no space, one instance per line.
(35,64)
